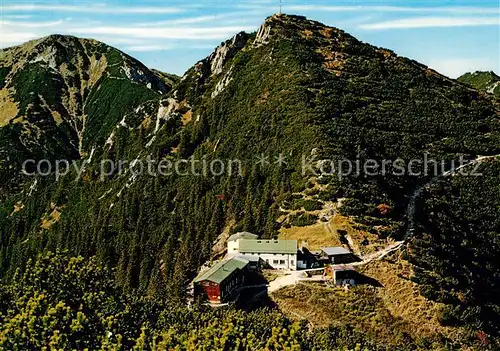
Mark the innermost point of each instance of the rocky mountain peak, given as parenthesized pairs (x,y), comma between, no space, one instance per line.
(213,64)
(59,39)
(225,51)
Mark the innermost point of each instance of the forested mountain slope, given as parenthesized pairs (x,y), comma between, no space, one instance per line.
(456,249)
(61,95)
(296,88)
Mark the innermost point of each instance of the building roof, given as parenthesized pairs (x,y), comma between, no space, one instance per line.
(268,246)
(242,235)
(304,253)
(249,258)
(332,251)
(344,268)
(223,269)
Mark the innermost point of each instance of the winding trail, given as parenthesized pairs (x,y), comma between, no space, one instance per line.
(293,277)
(411,210)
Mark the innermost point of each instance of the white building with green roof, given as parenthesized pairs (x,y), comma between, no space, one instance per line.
(279,254)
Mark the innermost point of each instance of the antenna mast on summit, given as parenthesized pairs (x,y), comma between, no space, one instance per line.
(281,6)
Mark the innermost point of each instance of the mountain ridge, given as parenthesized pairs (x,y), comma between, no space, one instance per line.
(488,82)
(73,77)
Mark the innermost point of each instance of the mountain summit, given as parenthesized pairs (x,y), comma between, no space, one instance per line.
(60,94)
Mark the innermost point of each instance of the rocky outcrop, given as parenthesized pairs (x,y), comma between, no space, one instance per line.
(262,35)
(222,83)
(214,64)
(165,111)
(226,51)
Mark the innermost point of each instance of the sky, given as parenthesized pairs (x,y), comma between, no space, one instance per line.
(452,37)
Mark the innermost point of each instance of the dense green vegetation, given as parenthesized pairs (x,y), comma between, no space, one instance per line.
(113,99)
(72,303)
(4,71)
(308,205)
(169,79)
(378,107)
(66,97)
(34,78)
(301,219)
(456,249)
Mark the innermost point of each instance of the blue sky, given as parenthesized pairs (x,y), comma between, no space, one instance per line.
(450,36)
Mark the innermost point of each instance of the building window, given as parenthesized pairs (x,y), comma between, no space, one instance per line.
(291,262)
(282,261)
(275,261)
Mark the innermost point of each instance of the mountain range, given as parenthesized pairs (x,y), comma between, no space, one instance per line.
(295,90)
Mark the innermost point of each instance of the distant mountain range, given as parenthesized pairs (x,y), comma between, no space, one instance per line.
(484,81)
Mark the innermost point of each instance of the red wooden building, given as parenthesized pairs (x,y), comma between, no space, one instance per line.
(222,282)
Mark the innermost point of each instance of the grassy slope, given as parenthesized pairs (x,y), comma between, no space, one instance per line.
(388,313)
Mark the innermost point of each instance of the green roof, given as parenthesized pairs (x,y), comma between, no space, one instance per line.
(223,269)
(268,246)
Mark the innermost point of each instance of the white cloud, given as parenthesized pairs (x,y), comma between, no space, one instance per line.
(16,16)
(451,9)
(110,40)
(92,8)
(146,48)
(201,33)
(189,20)
(31,24)
(17,32)
(14,32)
(9,38)
(429,22)
(226,18)
(180,21)
(455,67)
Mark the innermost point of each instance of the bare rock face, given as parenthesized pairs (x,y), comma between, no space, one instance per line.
(224,82)
(262,35)
(213,65)
(225,52)
(273,24)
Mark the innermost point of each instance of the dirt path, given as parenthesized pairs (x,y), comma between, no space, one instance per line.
(293,277)
(411,210)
